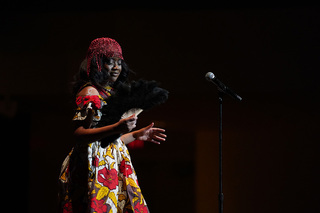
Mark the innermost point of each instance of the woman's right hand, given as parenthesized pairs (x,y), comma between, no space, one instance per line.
(127,124)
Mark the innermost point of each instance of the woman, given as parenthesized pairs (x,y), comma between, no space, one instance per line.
(97,175)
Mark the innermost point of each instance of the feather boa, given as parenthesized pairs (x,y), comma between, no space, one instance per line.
(138,94)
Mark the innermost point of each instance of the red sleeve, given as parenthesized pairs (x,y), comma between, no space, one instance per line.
(82,101)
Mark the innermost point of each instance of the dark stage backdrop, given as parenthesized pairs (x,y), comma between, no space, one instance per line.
(271,139)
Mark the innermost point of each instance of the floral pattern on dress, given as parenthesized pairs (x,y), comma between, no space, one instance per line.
(99,179)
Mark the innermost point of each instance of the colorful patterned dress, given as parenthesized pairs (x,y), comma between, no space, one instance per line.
(95,178)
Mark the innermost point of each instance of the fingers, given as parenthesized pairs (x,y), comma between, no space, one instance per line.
(132,118)
(156,142)
(151,134)
(158,130)
(132,124)
(158,137)
(128,124)
(162,135)
(150,126)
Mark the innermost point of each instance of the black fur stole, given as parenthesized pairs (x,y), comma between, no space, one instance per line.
(138,94)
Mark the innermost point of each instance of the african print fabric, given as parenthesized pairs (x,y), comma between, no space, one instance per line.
(99,179)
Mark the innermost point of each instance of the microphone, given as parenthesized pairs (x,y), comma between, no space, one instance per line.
(221,86)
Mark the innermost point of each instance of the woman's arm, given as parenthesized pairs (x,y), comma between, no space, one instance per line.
(88,135)
(83,132)
(154,135)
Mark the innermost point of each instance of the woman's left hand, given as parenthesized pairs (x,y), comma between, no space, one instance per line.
(149,133)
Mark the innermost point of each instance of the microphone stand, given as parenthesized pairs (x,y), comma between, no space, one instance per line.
(222,89)
(220,196)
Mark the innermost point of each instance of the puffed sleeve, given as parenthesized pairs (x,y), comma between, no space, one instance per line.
(88,103)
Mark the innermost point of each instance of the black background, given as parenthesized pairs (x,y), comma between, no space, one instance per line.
(269,54)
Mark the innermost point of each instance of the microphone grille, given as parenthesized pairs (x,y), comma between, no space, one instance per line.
(210,76)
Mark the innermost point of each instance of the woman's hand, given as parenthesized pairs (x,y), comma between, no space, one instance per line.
(154,135)
(127,124)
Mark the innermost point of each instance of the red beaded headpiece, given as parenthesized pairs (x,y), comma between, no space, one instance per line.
(102,46)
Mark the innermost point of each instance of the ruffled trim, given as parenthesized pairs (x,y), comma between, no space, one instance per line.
(81,114)
(90,102)
(82,101)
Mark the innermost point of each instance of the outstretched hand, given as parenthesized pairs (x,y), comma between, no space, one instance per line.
(151,134)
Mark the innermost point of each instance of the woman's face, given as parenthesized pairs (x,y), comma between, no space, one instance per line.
(113,67)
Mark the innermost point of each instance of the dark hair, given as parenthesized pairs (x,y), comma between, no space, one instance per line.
(96,77)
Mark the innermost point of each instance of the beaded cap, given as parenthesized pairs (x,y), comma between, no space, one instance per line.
(99,47)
